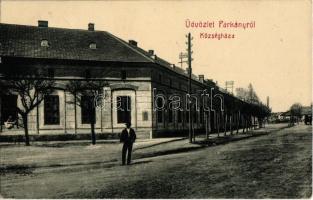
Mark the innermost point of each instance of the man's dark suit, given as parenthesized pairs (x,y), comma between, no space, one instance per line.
(128,139)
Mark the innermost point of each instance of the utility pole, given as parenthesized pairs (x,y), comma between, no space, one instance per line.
(229,85)
(181,57)
(189,52)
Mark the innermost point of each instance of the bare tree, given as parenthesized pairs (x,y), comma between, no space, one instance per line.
(86,93)
(30,90)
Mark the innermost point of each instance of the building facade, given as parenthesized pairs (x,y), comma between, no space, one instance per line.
(135,80)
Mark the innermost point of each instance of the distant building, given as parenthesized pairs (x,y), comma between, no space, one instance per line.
(277,117)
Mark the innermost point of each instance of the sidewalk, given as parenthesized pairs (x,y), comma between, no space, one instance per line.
(69,154)
(240,135)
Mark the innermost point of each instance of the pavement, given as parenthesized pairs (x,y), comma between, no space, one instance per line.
(110,150)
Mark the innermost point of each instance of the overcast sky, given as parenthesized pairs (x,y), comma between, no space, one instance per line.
(275,56)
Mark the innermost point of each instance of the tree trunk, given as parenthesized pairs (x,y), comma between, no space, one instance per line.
(206,125)
(231,123)
(243,124)
(209,122)
(93,134)
(225,124)
(237,121)
(93,120)
(25,123)
(218,124)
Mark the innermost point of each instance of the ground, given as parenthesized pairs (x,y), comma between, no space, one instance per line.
(273,165)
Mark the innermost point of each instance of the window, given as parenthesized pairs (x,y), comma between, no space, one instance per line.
(145,116)
(88,112)
(170,111)
(51,110)
(160,111)
(123,74)
(187,116)
(87,74)
(93,46)
(8,108)
(201,114)
(160,77)
(50,72)
(123,109)
(179,116)
(44,43)
(195,115)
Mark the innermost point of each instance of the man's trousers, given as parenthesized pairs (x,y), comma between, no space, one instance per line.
(127,148)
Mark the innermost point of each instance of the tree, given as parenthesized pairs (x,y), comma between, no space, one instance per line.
(30,89)
(85,93)
(296,111)
(247,94)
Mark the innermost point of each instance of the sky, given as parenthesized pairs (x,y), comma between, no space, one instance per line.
(275,56)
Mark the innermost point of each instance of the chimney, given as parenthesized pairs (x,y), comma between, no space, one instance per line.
(201,78)
(151,52)
(91,27)
(187,70)
(132,42)
(42,23)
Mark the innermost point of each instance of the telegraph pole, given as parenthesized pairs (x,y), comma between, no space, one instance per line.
(229,85)
(189,52)
(181,57)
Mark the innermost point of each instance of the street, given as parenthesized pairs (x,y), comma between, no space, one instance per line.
(276,165)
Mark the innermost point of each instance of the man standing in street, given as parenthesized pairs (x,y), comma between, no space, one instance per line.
(128,137)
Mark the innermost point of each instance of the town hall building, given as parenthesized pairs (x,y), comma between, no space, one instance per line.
(133,76)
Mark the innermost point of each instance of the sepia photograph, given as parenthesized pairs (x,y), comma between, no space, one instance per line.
(153,99)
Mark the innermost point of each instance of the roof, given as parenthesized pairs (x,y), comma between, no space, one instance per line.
(73,44)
